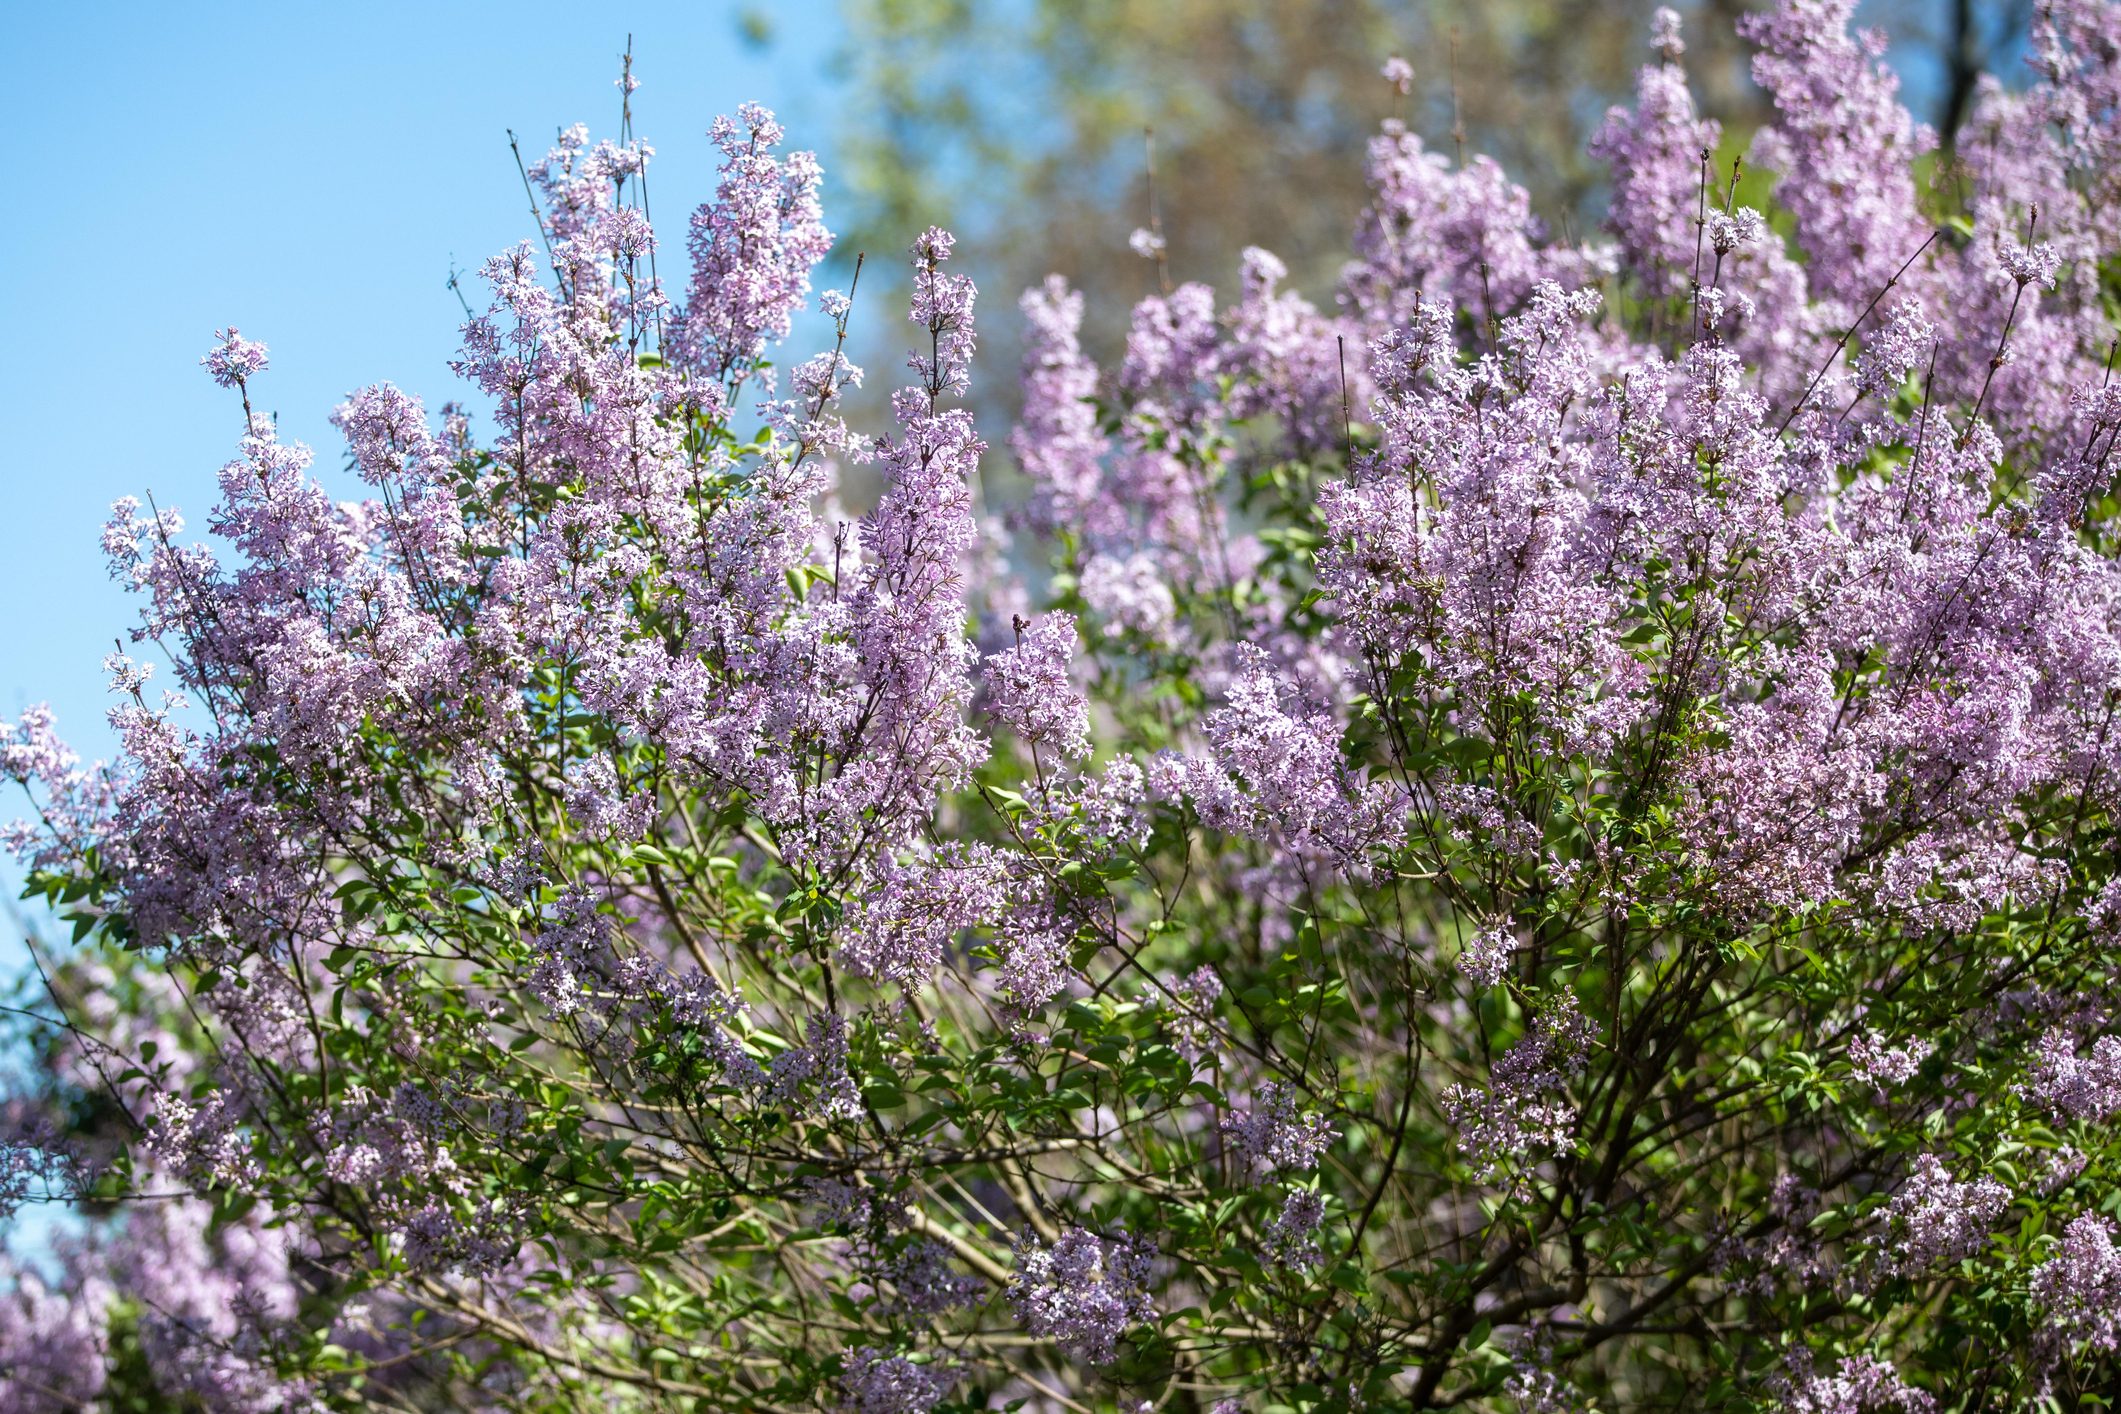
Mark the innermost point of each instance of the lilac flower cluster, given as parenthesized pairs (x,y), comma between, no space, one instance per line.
(1525,1108)
(1084,1292)
(52,1341)
(1029,690)
(1883,1067)
(1292,1237)
(877,1383)
(1272,1138)
(2078,1289)
(753,248)
(216,1307)
(910,1276)
(1486,956)
(235,360)
(2069,1086)
(1935,1219)
(1859,1384)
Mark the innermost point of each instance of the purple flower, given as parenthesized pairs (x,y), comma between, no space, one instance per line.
(1292,1238)
(1057,441)
(753,248)
(1131,596)
(1883,1067)
(2036,266)
(1935,1220)
(1841,143)
(1193,999)
(1486,956)
(1860,1384)
(900,926)
(1525,1108)
(1270,1138)
(2069,1086)
(1654,152)
(2078,1290)
(52,1348)
(876,1383)
(1277,774)
(235,360)
(1084,1292)
(1028,687)
(942,303)
(1743,227)
(1894,351)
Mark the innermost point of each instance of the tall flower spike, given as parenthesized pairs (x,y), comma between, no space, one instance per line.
(753,248)
(1841,143)
(1057,441)
(1655,152)
(942,303)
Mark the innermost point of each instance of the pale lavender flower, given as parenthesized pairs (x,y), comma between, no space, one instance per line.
(923,1284)
(1884,1067)
(813,1077)
(1285,753)
(1654,151)
(1130,595)
(1292,1238)
(52,1342)
(127,676)
(1057,441)
(1859,1384)
(1665,35)
(1533,1381)
(1728,231)
(1525,1107)
(901,924)
(2069,1086)
(2035,266)
(35,1161)
(1896,349)
(1193,999)
(1841,143)
(2059,1168)
(942,303)
(753,248)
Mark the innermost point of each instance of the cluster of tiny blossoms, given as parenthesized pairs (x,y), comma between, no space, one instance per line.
(1539,831)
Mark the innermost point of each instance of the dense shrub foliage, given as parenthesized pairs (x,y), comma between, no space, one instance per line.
(1543,841)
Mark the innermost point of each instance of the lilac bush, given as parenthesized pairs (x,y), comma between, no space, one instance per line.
(1541,837)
